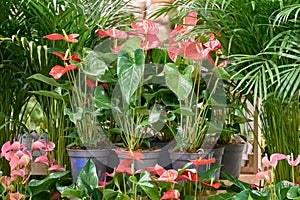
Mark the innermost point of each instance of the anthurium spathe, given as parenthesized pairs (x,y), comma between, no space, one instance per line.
(69,38)
(264,175)
(291,161)
(203,161)
(274,158)
(145,27)
(133,155)
(113,33)
(58,71)
(16,196)
(42,145)
(168,176)
(171,194)
(189,175)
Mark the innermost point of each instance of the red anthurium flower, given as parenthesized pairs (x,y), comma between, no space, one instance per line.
(62,56)
(56,168)
(291,161)
(104,85)
(90,83)
(203,161)
(125,167)
(265,175)
(76,58)
(15,196)
(151,41)
(168,176)
(145,27)
(135,155)
(68,38)
(215,185)
(113,33)
(188,175)
(273,159)
(156,170)
(171,194)
(58,71)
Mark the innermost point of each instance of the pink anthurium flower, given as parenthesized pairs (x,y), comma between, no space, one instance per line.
(191,18)
(156,170)
(42,145)
(265,175)
(68,38)
(196,51)
(5,180)
(171,194)
(117,49)
(291,161)
(125,167)
(56,168)
(188,175)
(145,27)
(213,45)
(113,33)
(223,64)
(58,71)
(42,159)
(15,196)
(17,173)
(168,176)
(273,159)
(151,41)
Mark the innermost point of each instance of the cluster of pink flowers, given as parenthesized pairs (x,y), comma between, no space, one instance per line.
(20,163)
(187,48)
(270,164)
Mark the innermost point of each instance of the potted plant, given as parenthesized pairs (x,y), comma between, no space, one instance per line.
(232,128)
(195,81)
(83,80)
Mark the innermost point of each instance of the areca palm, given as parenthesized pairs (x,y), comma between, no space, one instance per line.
(24,52)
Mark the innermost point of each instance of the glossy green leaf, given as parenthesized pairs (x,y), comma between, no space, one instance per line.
(221,73)
(79,193)
(94,65)
(180,84)
(48,80)
(101,99)
(97,194)
(51,94)
(37,186)
(148,186)
(294,193)
(282,188)
(88,179)
(130,72)
(223,196)
(74,116)
(62,188)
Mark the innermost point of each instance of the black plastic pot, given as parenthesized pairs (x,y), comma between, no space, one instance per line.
(232,159)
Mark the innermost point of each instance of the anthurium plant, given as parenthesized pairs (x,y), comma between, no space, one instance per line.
(19,185)
(179,65)
(268,188)
(150,183)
